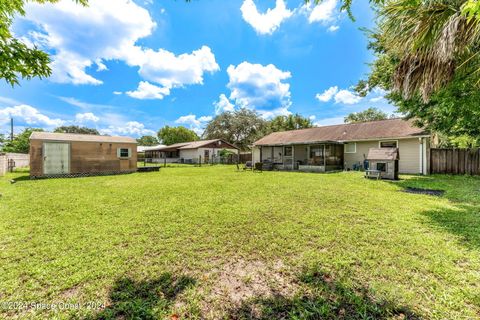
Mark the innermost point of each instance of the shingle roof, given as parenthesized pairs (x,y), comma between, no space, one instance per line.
(190,145)
(198,144)
(36,135)
(382,154)
(391,128)
(147,148)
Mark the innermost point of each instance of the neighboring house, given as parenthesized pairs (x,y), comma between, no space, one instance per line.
(64,154)
(142,149)
(190,152)
(345,146)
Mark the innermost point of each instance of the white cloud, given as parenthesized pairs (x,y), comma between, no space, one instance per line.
(172,71)
(347,97)
(377,99)
(117,93)
(333,28)
(259,87)
(268,22)
(223,104)
(86,117)
(81,37)
(28,115)
(146,90)
(133,128)
(269,114)
(327,95)
(340,96)
(324,12)
(192,122)
(312,117)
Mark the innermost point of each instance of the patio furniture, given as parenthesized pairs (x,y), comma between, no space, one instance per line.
(371,173)
(258,166)
(248,165)
(267,166)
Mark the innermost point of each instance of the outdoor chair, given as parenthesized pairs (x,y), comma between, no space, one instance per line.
(248,165)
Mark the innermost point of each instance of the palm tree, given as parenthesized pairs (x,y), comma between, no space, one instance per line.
(432,39)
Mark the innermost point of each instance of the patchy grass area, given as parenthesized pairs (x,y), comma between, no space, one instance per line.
(211,242)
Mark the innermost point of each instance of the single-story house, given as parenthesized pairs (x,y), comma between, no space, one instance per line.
(190,152)
(65,154)
(142,149)
(345,146)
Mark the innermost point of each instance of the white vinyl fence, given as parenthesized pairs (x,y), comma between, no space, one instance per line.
(3,164)
(17,160)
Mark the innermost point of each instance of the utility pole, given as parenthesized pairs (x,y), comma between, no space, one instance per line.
(11,128)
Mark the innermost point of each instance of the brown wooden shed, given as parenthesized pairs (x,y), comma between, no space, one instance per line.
(70,155)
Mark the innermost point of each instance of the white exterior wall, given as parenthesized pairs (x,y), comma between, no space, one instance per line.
(413,154)
(255,154)
(189,154)
(194,154)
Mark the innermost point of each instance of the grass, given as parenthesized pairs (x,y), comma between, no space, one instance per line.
(210,242)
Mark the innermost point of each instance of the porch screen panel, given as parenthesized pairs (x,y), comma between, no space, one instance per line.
(334,155)
(317,156)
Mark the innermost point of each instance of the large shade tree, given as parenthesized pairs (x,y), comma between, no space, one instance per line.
(240,127)
(370,114)
(147,141)
(76,129)
(290,122)
(170,135)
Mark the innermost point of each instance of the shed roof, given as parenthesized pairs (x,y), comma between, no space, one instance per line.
(37,135)
(391,128)
(383,154)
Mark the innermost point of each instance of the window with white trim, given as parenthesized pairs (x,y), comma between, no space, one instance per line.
(389,144)
(350,147)
(124,152)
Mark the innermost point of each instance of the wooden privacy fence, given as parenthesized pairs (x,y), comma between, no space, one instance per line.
(455,161)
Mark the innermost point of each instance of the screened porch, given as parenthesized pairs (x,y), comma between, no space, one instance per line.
(320,157)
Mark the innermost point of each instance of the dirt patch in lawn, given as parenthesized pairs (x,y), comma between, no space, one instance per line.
(239,281)
(429,192)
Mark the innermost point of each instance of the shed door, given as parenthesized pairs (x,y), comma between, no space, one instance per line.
(56,158)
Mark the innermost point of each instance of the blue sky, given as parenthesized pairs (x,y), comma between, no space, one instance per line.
(129,68)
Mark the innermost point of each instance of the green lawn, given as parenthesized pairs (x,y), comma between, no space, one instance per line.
(210,242)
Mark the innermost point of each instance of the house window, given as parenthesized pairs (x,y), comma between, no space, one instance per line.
(350,147)
(381,166)
(288,151)
(124,152)
(388,144)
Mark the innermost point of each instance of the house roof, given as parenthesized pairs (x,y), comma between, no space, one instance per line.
(383,154)
(391,128)
(37,135)
(147,148)
(191,145)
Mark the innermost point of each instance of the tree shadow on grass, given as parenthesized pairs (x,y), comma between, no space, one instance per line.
(462,220)
(150,299)
(326,299)
(462,217)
